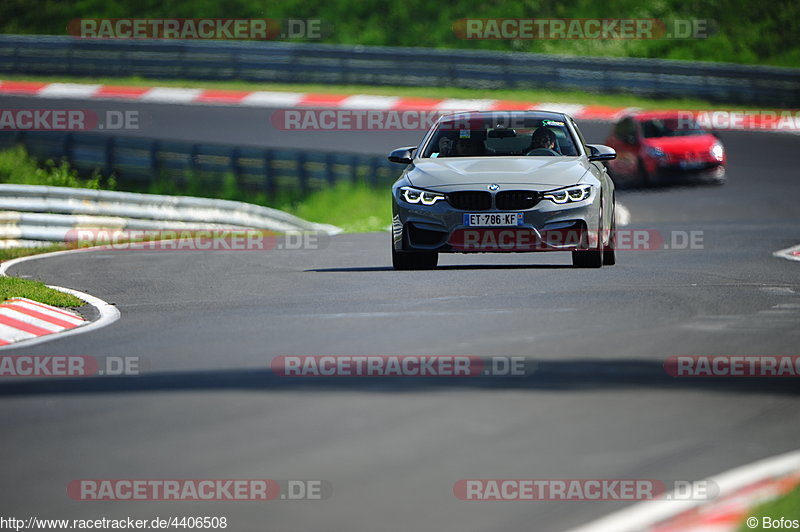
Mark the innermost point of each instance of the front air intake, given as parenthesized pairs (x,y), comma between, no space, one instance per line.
(470,200)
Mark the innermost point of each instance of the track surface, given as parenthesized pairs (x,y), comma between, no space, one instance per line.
(208,323)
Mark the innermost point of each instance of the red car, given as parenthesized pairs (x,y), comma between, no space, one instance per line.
(655,147)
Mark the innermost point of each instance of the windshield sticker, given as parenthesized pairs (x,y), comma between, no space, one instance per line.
(552,123)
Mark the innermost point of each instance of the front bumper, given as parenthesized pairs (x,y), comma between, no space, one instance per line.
(545,227)
(678,172)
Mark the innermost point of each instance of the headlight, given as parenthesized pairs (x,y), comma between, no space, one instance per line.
(653,151)
(717,151)
(414,195)
(569,195)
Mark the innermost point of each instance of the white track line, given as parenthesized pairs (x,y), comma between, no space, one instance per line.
(170,95)
(645,514)
(108,313)
(456,104)
(272,99)
(571,109)
(792,253)
(366,101)
(68,90)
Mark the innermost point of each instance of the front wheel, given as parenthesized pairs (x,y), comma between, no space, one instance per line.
(609,251)
(591,258)
(420,260)
(587,259)
(643,177)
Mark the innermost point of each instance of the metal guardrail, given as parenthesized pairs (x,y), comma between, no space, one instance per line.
(33,215)
(372,65)
(138,162)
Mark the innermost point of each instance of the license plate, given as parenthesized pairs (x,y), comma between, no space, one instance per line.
(686,165)
(502,219)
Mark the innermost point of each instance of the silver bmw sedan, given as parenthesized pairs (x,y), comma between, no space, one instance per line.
(503,181)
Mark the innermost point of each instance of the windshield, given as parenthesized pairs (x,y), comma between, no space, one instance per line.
(508,136)
(670,127)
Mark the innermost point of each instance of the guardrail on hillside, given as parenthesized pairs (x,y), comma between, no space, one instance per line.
(32,215)
(372,65)
(138,162)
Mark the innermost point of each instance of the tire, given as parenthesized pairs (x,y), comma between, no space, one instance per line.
(587,259)
(591,258)
(643,177)
(417,260)
(610,251)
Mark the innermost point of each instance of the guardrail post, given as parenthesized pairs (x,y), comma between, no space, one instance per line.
(68,147)
(154,170)
(329,175)
(193,158)
(354,169)
(300,161)
(268,184)
(234,164)
(372,176)
(109,157)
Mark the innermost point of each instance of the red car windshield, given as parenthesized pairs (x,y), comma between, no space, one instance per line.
(670,127)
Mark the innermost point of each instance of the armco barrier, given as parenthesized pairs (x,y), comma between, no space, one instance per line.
(139,162)
(33,215)
(282,62)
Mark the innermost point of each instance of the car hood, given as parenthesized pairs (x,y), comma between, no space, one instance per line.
(448,173)
(679,145)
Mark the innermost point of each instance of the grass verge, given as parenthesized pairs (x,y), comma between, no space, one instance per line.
(15,287)
(524,95)
(786,506)
(15,253)
(18,168)
(355,207)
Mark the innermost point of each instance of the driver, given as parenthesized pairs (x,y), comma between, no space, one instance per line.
(543,142)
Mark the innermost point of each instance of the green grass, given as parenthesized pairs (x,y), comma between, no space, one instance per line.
(786,506)
(523,95)
(748,32)
(14,287)
(355,208)
(15,253)
(17,167)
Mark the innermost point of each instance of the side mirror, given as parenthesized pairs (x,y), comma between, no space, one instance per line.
(402,155)
(600,152)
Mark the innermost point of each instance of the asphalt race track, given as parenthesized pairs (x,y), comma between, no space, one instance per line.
(207,324)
